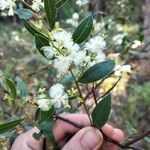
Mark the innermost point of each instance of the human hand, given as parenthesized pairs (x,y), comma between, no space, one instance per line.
(88,138)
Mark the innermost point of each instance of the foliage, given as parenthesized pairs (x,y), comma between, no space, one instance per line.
(81,49)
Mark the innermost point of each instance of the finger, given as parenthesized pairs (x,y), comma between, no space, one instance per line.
(62,128)
(87,138)
(115,134)
(32,142)
(26,141)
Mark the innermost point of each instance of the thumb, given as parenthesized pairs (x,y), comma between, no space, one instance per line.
(87,138)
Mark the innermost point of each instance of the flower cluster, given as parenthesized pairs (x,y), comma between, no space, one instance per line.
(8,4)
(37,4)
(64,53)
(57,98)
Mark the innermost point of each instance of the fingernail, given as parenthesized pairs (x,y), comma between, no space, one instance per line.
(91,139)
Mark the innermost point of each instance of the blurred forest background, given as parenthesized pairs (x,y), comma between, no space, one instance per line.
(126,25)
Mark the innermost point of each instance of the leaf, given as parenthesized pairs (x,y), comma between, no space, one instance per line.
(21,86)
(50,9)
(83,30)
(9,86)
(97,72)
(101,112)
(60,3)
(41,41)
(8,126)
(47,128)
(24,13)
(32,30)
(44,115)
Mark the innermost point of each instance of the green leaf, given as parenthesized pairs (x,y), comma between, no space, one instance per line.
(9,86)
(44,115)
(60,3)
(24,13)
(50,8)
(32,30)
(97,72)
(101,112)
(41,41)
(21,86)
(8,126)
(83,30)
(47,128)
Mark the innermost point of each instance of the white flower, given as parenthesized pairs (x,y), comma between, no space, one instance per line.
(75,16)
(118,39)
(62,64)
(78,57)
(62,37)
(136,44)
(36,4)
(100,57)
(43,102)
(48,51)
(58,95)
(8,4)
(95,44)
(120,69)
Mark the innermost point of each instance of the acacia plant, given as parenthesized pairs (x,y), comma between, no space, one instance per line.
(76,54)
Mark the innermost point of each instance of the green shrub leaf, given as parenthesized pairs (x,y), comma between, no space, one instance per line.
(41,41)
(21,86)
(47,128)
(83,30)
(44,115)
(8,126)
(9,86)
(97,72)
(50,8)
(101,112)
(32,30)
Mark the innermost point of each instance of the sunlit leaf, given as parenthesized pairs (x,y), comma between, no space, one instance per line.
(83,30)
(101,112)
(97,72)
(9,86)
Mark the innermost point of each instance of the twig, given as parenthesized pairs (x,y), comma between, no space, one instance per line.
(137,138)
(81,96)
(108,91)
(88,94)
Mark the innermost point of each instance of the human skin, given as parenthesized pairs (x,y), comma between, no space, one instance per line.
(87,138)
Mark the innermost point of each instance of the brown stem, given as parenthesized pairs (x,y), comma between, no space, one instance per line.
(137,138)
